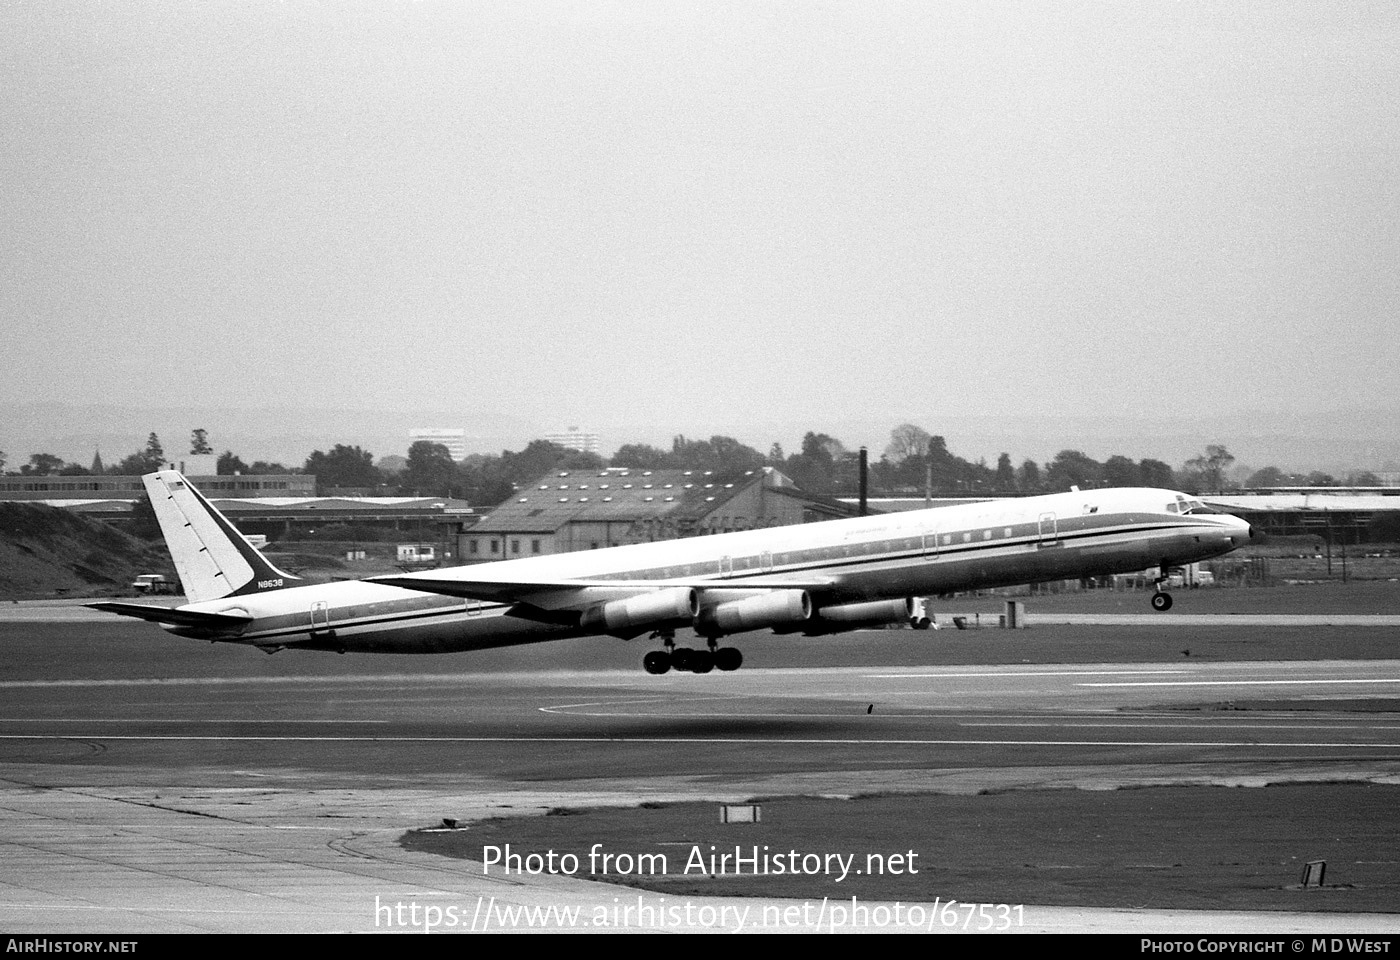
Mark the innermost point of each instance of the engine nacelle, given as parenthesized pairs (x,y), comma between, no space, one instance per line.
(677,606)
(853,616)
(772,609)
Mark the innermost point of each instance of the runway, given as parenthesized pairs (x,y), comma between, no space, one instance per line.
(626,724)
(153,784)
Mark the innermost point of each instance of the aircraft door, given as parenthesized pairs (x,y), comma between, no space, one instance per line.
(1049,530)
(320,618)
(726,566)
(930,540)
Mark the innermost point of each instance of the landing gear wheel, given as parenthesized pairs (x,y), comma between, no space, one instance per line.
(702,661)
(728,658)
(657,662)
(1161,601)
(681,658)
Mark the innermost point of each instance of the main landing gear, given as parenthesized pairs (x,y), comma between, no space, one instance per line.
(695,661)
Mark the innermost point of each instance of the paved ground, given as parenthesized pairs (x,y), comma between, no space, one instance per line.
(153,860)
(154,784)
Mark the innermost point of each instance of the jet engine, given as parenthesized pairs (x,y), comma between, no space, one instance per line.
(853,616)
(770,609)
(628,617)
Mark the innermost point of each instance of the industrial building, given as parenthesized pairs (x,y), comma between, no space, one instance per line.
(129,487)
(1338,515)
(589,510)
(1341,515)
(279,506)
(438,520)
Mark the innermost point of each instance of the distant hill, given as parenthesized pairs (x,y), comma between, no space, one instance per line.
(47,552)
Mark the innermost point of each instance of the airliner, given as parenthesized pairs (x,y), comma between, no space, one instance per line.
(811,579)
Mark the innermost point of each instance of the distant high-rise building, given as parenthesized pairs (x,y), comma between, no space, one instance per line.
(454,440)
(575,439)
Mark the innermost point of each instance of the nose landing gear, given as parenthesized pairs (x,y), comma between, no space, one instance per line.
(1161,600)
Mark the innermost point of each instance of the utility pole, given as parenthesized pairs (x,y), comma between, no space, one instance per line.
(864,482)
(1329,544)
(1344,554)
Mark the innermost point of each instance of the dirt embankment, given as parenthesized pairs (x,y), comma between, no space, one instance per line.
(47,552)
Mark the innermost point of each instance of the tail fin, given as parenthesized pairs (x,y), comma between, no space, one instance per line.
(213,559)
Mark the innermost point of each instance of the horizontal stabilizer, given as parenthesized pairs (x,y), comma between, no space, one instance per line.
(179,618)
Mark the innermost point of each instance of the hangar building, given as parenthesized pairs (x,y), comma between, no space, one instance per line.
(588,510)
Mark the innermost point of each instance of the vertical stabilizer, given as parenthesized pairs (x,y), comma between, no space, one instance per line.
(213,559)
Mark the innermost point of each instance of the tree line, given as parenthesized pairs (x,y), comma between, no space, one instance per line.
(149,458)
(913,463)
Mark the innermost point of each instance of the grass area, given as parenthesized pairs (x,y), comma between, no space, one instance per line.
(47,552)
(1244,850)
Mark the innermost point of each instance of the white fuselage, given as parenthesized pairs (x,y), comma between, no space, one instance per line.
(884,557)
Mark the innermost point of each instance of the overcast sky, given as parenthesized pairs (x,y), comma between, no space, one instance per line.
(703,213)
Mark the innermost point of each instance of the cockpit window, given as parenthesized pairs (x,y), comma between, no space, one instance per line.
(1171,508)
(1196,506)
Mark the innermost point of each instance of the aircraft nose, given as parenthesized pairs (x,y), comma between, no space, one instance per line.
(1241,531)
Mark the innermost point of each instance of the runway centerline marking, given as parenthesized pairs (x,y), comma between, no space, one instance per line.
(1022,673)
(175,720)
(854,712)
(1229,683)
(404,679)
(1192,726)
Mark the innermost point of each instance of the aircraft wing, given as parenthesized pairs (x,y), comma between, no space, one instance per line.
(557,594)
(179,618)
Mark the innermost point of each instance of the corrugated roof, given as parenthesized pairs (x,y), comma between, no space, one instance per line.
(556,499)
